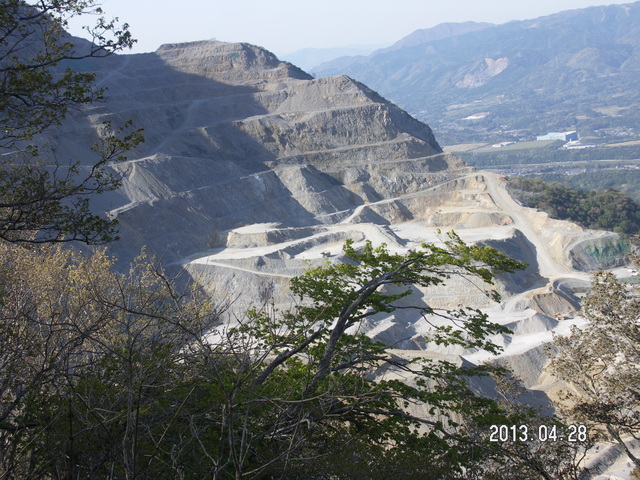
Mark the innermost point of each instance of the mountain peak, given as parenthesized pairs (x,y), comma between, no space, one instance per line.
(237,63)
(439,32)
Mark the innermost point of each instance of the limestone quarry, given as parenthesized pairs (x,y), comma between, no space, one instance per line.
(252,170)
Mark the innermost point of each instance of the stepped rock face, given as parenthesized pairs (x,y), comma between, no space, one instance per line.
(235,137)
(252,169)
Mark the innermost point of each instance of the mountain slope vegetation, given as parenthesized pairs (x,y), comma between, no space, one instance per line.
(605,209)
(574,69)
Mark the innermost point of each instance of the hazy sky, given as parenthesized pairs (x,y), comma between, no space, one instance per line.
(284,26)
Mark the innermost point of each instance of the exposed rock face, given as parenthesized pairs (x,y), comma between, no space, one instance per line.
(600,252)
(483,72)
(230,63)
(235,137)
(252,168)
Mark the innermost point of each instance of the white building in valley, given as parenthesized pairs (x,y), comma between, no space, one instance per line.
(571,136)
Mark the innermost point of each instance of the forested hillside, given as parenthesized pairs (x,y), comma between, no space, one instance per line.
(598,209)
(624,180)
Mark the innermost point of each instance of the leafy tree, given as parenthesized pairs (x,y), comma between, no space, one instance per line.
(600,362)
(95,365)
(126,377)
(552,450)
(333,404)
(336,403)
(41,198)
(605,210)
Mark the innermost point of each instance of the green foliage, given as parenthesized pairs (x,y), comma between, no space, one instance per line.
(551,456)
(39,86)
(600,363)
(333,390)
(42,199)
(96,365)
(108,375)
(624,180)
(42,203)
(347,403)
(114,376)
(604,210)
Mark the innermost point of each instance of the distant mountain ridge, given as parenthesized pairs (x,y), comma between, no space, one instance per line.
(439,32)
(307,58)
(310,58)
(250,160)
(573,70)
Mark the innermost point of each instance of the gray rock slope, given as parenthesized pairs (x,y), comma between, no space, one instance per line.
(235,137)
